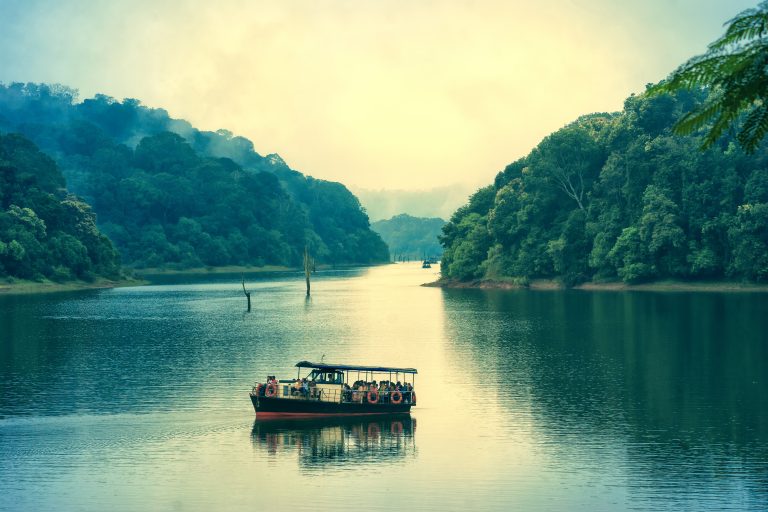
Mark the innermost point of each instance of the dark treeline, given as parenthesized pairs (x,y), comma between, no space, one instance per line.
(411,237)
(618,196)
(168,194)
(44,231)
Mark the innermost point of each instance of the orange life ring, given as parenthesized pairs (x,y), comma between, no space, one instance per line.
(373,396)
(396,397)
(271,390)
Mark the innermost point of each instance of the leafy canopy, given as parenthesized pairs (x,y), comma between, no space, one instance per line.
(734,68)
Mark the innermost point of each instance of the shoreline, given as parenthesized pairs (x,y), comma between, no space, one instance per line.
(141,277)
(610,286)
(24,287)
(240,269)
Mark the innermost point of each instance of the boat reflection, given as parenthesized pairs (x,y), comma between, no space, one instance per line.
(319,442)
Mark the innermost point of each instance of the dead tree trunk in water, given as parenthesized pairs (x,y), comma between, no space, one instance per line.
(309,264)
(247,294)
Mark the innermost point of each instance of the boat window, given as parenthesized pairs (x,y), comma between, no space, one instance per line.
(326,377)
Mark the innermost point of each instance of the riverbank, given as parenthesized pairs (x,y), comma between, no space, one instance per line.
(22,286)
(238,269)
(657,286)
(142,277)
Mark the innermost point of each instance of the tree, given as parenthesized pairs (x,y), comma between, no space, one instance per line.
(44,232)
(733,69)
(572,159)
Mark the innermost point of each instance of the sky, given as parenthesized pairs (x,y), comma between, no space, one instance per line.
(377,94)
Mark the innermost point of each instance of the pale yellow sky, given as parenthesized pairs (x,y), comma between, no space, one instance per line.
(375,94)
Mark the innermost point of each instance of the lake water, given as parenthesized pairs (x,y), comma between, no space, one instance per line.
(137,398)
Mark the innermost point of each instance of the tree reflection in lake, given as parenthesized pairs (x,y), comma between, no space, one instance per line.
(351,440)
(660,391)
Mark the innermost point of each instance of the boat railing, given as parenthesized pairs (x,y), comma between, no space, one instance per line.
(381,397)
(341,395)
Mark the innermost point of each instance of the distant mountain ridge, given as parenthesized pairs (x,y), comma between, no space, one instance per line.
(170,194)
(411,237)
(440,201)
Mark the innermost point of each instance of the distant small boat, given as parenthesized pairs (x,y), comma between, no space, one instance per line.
(328,390)
(426,264)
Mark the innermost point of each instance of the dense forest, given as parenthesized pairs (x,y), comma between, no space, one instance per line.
(618,196)
(411,237)
(44,231)
(169,195)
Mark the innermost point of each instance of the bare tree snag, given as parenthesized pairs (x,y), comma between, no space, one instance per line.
(309,264)
(247,294)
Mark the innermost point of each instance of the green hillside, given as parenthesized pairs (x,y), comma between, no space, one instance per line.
(170,195)
(618,196)
(45,232)
(411,237)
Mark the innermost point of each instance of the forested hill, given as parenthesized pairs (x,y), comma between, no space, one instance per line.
(411,237)
(168,194)
(44,231)
(618,196)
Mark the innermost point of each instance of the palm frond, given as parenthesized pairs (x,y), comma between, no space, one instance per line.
(697,72)
(735,70)
(696,119)
(718,128)
(754,129)
(749,24)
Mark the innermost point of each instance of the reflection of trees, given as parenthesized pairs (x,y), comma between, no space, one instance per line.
(674,382)
(338,440)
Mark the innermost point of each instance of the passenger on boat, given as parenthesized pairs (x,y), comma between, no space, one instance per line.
(361,392)
(383,393)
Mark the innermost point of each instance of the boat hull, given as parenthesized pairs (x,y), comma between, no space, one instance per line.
(285,407)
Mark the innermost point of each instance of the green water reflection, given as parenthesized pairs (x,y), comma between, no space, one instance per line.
(667,389)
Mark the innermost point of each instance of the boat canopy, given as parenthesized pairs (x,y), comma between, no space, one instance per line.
(351,367)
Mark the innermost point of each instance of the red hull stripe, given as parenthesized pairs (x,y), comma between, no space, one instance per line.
(268,415)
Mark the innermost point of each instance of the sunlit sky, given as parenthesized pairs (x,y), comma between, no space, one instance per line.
(393,94)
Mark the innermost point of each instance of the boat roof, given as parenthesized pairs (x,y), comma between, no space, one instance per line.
(352,367)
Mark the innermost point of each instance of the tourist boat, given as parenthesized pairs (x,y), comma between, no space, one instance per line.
(336,389)
(426,264)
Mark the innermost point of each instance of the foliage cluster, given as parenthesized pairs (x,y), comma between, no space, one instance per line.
(44,231)
(619,196)
(733,69)
(411,237)
(169,195)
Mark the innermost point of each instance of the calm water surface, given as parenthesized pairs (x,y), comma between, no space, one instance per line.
(137,398)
